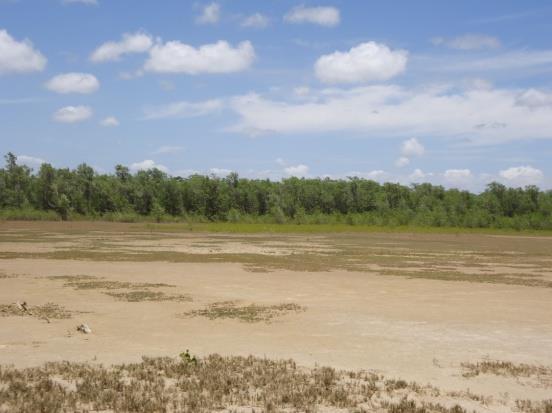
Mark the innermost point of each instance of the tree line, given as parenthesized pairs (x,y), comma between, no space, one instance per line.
(82,192)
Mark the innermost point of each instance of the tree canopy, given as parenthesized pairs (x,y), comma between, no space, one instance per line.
(84,192)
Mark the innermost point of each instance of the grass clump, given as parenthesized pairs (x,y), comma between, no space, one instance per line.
(87,282)
(531,406)
(504,368)
(542,374)
(47,311)
(252,313)
(213,383)
(146,295)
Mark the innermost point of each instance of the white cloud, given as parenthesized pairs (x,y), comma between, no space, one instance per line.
(130,43)
(220,172)
(366,62)
(72,114)
(256,20)
(412,147)
(86,2)
(219,57)
(324,16)
(210,14)
(30,160)
(402,162)
(533,98)
(468,42)
(146,165)
(476,116)
(110,121)
(417,175)
(301,91)
(458,176)
(19,57)
(297,170)
(522,175)
(184,173)
(513,61)
(73,83)
(183,109)
(163,150)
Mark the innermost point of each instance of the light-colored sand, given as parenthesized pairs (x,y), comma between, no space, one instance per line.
(416,329)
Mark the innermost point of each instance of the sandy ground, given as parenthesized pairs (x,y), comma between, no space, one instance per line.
(416,329)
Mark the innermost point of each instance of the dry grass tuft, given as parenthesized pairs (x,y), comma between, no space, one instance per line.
(46,311)
(211,384)
(87,282)
(542,374)
(252,313)
(146,295)
(532,406)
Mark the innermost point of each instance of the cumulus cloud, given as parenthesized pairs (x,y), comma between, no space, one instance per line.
(73,114)
(109,122)
(402,162)
(220,172)
(19,56)
(367,62)
(219,57)
(458,176)
(31,161)
(468,42)
(533,99)
(297,170)
(146,165)
(522,175)
(256,20)
(412,147)
(394,111)
(183,109)
(130,43)
(301,91)
(210,14)
(512,61)
(324,16)
(417,175)
(73,83)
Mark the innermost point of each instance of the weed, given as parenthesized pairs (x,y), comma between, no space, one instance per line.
(146,295)
(252,313)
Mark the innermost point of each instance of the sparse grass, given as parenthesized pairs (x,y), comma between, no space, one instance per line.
(145,295)
(50,311)
(531,406)
(259,228)
(504,368)
(214,383)
(465,257)
(252,313)
(542,374)
(86,282)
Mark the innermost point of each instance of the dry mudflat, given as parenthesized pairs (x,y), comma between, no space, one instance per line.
(402,320)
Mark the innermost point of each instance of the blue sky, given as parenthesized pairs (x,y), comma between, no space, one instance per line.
(454,93)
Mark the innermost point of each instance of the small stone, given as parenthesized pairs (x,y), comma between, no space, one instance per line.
(83,328)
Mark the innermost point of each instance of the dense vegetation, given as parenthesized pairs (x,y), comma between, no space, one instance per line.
(66,194)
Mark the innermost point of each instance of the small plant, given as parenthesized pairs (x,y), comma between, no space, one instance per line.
(186,357)
(146,295)
(252,313)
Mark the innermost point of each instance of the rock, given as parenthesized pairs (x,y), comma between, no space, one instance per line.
(83,328)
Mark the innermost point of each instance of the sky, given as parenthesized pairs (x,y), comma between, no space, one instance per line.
(453,93)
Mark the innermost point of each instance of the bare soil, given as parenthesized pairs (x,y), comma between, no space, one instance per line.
(417,307)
